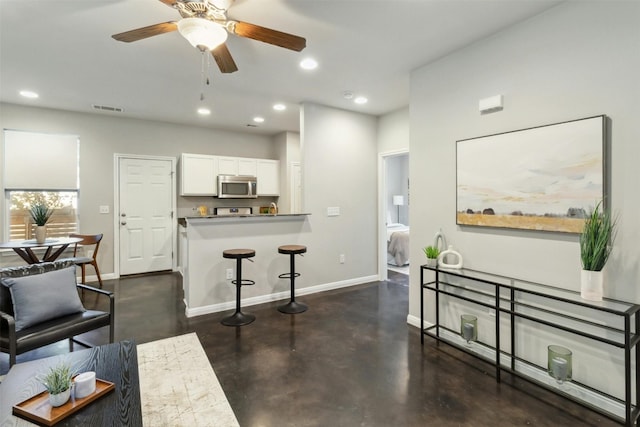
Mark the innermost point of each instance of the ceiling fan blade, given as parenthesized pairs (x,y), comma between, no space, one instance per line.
(224,59)
(267,35)
(143,33)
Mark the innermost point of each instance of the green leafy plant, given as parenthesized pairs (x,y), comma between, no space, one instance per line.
(40,213)
(57,379)
(431,252)
(597,238)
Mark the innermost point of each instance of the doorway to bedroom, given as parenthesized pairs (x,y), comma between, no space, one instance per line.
(395,223)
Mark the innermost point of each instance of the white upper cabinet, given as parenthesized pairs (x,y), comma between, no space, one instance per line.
(248,167)
(228,165)
(198,175)
(237,166)
(268,177)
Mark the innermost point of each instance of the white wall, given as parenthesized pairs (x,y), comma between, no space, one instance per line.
(338,156)
(287,146)
(103,135)
(577,60)
(393,131)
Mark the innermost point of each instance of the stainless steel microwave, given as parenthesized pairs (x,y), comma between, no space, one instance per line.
(237,187)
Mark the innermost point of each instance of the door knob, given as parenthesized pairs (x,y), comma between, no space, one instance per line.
(123,223)
(123,214)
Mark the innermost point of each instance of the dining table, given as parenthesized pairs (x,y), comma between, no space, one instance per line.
(54,247)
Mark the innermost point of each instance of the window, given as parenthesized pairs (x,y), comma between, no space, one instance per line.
(40,168)
(62,222)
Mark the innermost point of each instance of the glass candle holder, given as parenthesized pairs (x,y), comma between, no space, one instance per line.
(469,327)
(559,361)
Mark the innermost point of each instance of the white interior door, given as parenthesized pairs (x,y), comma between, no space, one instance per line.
(146,216)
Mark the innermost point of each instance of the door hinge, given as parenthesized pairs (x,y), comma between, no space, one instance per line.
(171,214)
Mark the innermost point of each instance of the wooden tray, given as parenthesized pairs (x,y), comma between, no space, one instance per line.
(38,409)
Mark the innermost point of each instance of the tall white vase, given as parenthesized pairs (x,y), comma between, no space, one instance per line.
(591,285)
(41,233)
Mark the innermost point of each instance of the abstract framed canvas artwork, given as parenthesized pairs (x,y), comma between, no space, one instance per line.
(544,178)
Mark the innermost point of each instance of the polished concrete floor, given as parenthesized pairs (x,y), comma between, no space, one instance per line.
(350,360)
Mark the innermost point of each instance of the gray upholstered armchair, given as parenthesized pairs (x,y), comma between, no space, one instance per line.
(39,305)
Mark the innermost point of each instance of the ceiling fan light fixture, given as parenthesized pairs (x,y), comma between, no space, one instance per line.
(202,33)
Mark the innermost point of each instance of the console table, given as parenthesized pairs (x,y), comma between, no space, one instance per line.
(117,363)
(614,323)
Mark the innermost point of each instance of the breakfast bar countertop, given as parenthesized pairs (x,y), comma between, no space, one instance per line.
(198,218)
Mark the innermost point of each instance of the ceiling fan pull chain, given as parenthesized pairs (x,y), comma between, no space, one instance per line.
(202,75)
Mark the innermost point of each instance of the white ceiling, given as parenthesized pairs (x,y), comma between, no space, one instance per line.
(63,50)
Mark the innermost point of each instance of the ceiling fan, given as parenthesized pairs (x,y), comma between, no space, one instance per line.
(209,18)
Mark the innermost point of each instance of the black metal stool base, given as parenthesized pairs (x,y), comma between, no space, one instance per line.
(238,319)
(293,307)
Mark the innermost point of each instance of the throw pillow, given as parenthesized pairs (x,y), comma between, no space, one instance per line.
(43,297)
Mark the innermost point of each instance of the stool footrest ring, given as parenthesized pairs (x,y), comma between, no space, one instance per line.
(244,282)
(288,275)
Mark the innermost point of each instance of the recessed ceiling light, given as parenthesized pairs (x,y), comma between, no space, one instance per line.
(309,64)
(360,100)
(279,107)
(258,119)
(29,94)
(204,111)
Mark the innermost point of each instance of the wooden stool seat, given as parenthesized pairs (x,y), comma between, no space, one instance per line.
(238,253)
(292,307)
(292,249)
(238,318)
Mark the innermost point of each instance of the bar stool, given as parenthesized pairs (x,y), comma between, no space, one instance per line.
(292,307)
(239,318)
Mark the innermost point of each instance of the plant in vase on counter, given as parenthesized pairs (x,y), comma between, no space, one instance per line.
(432,254)
(596,243)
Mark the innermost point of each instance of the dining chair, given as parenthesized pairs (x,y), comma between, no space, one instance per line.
(83,261)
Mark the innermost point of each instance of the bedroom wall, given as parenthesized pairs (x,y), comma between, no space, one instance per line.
(398,184)
(577,60)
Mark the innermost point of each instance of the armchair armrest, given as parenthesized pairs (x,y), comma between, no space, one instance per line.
(97,290)
(11,327)
(111,304)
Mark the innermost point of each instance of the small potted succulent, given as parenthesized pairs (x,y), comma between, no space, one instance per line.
(40,214)
(432,253)
(58,382)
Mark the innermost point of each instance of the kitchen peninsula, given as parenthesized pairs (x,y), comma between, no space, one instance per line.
(202,240)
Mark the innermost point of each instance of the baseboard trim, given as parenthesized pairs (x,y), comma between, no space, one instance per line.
(108,276)
(261,299)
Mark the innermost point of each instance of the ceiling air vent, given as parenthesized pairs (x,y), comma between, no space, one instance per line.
(107,108)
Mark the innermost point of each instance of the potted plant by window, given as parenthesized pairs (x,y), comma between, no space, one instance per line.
(432,253)
(596,242)
(58,381)
(40,214)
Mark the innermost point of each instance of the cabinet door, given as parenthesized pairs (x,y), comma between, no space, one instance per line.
(228,165)
(247,167)
(268,177)
(198,176)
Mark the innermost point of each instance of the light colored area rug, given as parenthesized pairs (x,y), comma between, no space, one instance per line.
(178,386)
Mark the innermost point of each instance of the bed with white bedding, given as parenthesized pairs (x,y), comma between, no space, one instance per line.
(397,244)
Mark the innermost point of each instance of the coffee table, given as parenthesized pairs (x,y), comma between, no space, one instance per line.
(117,363)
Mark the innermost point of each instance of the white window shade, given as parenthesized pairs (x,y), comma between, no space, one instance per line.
(40,161)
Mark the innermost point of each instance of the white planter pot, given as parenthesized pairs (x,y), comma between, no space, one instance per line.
(591,285)
(59,399)
(41,233)
(432,262)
